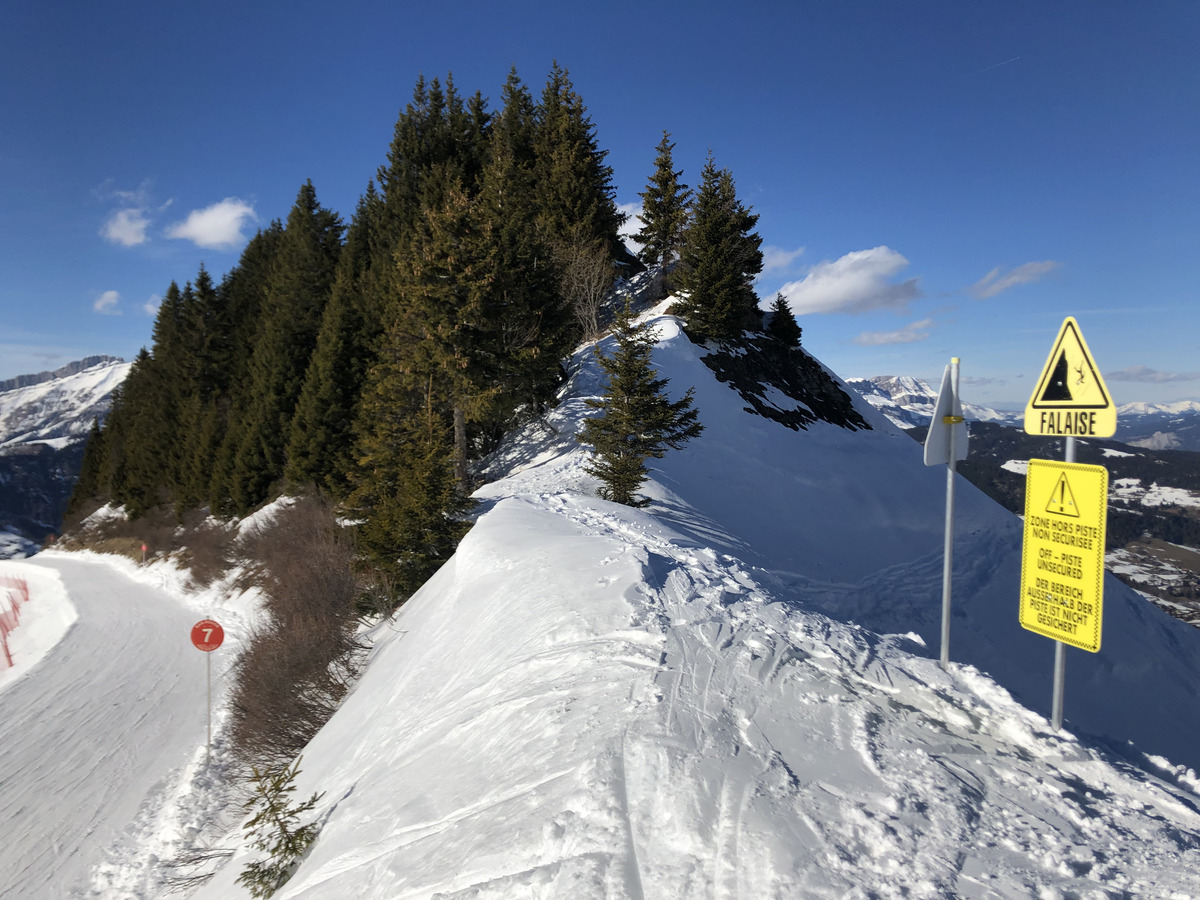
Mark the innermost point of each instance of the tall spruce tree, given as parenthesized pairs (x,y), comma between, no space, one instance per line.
(321,443)
(719,261)
(413,511)
(665,205)
(637,420)
(299,289)
(573,182)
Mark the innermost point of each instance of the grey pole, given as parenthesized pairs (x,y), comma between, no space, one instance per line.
(1060,649)
(948,545)
(208,740)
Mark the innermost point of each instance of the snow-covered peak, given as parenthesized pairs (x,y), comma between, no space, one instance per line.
(909,402)
(1141,408)
(61,404)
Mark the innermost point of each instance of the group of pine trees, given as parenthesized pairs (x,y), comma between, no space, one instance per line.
(377,359)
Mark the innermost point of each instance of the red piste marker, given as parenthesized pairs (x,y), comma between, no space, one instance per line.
(207,635)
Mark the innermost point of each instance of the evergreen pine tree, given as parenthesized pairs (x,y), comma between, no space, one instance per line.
(299,289)
(783,325)
(244,291)
(664,209)
(321,443)
(719,260)
(275,829)
(573,183)
(90,485)
(637,421)
(413,511)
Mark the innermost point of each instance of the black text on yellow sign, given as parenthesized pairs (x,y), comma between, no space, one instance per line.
(1062,555)
(1070,398)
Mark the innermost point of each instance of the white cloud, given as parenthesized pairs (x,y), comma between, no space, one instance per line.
(216,227)
(107,303)
(777,259)
(994,283)
(151,306)
(632,224)
(1147,375)
(909,334)
(856,283)
(126,227)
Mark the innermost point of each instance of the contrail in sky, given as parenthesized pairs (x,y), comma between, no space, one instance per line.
(995,66)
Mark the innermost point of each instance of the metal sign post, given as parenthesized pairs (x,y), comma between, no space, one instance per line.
(207,635)
(946,443)
(1070,400)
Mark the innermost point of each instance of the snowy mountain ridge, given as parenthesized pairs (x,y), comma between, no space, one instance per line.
(58,407)
(909,402)
(44,419)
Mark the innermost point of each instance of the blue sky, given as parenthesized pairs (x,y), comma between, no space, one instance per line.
(933,179)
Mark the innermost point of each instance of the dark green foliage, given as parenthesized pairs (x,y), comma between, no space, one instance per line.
(292,311)
(665,205)
(637,420)
(719,260)
(573,183)
(783,325)
(321,441)
(414,512)
(91,483)
(275,829)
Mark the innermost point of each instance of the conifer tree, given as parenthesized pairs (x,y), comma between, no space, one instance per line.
(321,442)
(295,301)
(637,421)
(664,209)
(783,325)
(719,261)
(275,829)
(90,484)
(244,290)
(414,511)
(573,182)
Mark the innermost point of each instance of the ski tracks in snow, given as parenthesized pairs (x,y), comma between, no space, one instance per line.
(816,746)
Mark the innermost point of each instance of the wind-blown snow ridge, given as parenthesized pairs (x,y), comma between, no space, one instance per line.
(595,701)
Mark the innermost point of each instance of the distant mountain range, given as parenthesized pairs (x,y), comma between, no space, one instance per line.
(1154,489)
(44,421)
(909,403)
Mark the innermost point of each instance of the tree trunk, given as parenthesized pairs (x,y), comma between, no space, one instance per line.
(460,450)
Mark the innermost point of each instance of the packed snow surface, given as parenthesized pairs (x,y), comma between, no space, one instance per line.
(733,692)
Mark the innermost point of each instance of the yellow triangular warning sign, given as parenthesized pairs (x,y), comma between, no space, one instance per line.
(1062,501)
(1070,397)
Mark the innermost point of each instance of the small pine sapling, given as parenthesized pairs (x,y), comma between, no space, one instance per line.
(637,421)
(275,829)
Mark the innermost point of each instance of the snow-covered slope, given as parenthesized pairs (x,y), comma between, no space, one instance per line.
(43,420)
(909,402)
(734,693)
(59,407)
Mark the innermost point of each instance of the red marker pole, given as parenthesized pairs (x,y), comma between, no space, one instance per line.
(207,635)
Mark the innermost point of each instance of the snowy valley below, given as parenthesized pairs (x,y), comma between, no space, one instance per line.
(733,692)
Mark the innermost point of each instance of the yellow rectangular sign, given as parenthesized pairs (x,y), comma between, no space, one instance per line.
(1062,554)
